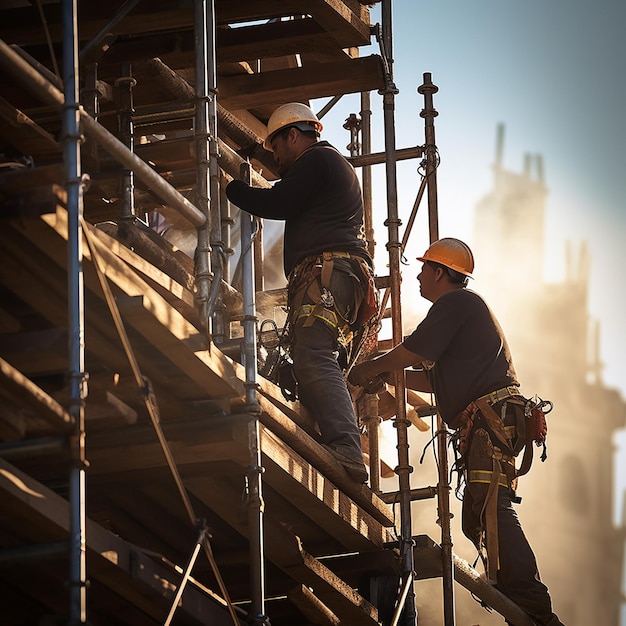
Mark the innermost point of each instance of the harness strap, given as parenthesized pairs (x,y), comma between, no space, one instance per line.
(493,419)
(527,459)
(485,477)
(490,513)
(306,274)
(502,472)
(327,268)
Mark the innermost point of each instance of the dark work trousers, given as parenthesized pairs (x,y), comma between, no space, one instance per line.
(321,386)
(518,575)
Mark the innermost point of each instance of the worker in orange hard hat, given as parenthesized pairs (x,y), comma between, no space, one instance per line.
(331,294)
(459,353)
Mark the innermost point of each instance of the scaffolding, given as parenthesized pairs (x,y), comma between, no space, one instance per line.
(207,211)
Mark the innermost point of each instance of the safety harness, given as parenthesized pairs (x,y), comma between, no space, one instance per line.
(310,280)
(480,433)
(310,298)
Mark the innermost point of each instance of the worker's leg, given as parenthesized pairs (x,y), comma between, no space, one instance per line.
(321,386)
(518,576)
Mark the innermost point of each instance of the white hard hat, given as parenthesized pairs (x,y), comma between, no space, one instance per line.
(291,114)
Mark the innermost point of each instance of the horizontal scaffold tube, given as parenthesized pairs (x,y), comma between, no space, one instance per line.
(40,86)
(381,157)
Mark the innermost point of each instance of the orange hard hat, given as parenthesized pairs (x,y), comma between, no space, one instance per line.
(291,114)
(452,253)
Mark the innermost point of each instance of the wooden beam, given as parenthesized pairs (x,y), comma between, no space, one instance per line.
(35,398)
(312,607)
(346,19)
(321,459)
(116,564)
(214,373)
(194,441)
(306,488)
(302,83)
(285,550)
(279,39)
(26,135)
(46,293)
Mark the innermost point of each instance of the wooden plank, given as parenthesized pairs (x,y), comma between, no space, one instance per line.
(46,293)
(307,489)
(314,609)
(26,135)
(35,398)
(191,441)
(116,564)
(31,202)
(302,83)
(37,352)
(341,18)
(285,550)
(321,459)
(265,41)
(277,39)
(347,19)
(17,24)
(294,410)
(213,373)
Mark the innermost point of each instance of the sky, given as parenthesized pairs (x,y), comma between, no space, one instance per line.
(551,71)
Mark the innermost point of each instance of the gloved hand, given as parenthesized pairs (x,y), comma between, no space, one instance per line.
(359,375)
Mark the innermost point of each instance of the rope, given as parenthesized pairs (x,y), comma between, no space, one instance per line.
(150,401)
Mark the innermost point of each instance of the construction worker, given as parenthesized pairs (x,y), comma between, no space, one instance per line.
(461,355)
(330,283)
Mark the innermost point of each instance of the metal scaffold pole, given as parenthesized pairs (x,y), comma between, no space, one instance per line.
(394,246)
(201,136)
(254,485)
(76,314)
(428,113)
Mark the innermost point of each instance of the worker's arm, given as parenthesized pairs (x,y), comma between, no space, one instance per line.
(397,359)
(418,380)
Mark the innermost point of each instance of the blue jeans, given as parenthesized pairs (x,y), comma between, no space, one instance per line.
(321,386)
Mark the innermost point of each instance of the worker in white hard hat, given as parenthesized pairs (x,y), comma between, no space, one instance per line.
(331,294)
(459,353)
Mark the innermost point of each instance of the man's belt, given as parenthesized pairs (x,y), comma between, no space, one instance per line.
(499,394)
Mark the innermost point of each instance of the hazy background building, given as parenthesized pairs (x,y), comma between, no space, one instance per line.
(567,502)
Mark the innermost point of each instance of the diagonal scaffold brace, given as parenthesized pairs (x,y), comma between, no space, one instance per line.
(152,407)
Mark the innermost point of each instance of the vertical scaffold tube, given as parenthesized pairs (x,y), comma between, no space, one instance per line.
(366,170)
(427,89)
(76,314)
(126,83)
(201,135)
(255,470)
(404,468)
(218,254)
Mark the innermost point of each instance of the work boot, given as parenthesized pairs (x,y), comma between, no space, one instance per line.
(354,468)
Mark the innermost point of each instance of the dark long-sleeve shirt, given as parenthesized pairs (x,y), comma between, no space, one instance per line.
(320,200)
